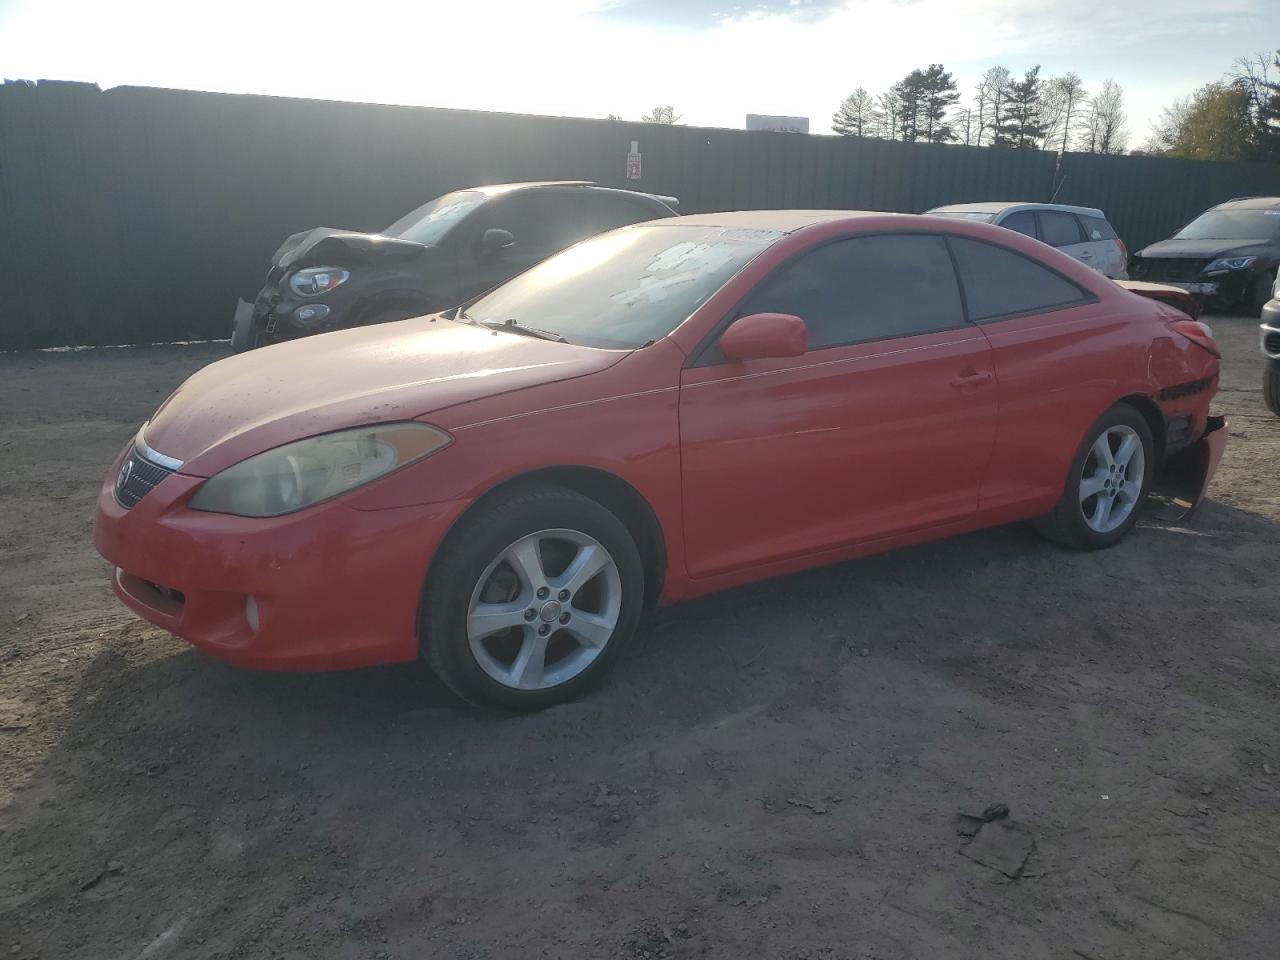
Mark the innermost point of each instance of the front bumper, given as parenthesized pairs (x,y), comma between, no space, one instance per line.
(1231,287)
(1270,331)
(330,587)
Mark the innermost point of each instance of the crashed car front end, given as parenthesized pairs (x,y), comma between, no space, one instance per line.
(320,279)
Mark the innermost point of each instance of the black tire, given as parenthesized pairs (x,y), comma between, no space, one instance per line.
(244,336)
(477,542)
(1271,387)
(391,314)
(1065,523)
(1259,293)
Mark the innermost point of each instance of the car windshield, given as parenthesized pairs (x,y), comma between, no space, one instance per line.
(963,214)
(625,288)
(1233,225)
(428,223)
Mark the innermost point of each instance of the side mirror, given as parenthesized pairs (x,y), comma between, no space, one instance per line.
(495,241)
(761,336)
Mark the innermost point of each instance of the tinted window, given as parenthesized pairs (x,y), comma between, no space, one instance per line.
(608,211)
(1024,221)
(1059,229)
(627,287)
(1233,225)
(865,288)
(540,222)
(1095,228)
(999,283)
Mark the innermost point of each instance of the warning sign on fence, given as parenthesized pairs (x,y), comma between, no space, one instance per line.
(633,161)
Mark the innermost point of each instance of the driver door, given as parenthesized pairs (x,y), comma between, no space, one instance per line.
(540,222)
(885,425)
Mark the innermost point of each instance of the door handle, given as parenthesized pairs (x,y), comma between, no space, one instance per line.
(971,379)
(1086,255)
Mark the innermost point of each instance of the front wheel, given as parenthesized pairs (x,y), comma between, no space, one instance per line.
(1271,387)
(1260,293)
(532,600)
(1108,482)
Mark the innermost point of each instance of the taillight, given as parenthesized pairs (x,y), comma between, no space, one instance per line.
(1198,333)
(1124,251)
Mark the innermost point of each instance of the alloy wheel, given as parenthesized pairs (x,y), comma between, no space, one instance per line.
(1112,479)
(544,609)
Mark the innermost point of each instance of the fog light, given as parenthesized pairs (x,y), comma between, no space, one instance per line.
(251,613)
(311,313)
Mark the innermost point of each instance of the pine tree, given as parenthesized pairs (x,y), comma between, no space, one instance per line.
(938,94)
(1023,123)
(856,116)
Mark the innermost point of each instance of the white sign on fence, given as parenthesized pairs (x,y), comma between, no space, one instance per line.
(633,161)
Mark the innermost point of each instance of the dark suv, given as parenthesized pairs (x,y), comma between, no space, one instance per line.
(440,254)
(1227,255)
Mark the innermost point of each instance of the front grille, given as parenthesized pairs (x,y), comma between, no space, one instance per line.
(1271,343)
(137,477)
(1177,269)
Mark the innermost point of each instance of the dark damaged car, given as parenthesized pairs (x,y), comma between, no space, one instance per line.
(1227,256)
(441,254)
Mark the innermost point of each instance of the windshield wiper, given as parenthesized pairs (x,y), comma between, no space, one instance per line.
(513,326)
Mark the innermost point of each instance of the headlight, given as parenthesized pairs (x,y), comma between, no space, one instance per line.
(317,280)
(308,471)
(1229,263)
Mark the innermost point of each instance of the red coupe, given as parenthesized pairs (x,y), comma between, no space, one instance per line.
(666,410)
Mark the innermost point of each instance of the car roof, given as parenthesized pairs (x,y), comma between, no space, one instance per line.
(1011,206)
(499,189)
(783,221)
(1249,203)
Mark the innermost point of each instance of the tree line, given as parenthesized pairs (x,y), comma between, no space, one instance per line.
(1235,118)
(1006,110)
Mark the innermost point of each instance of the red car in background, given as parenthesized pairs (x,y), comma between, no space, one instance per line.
(663,411)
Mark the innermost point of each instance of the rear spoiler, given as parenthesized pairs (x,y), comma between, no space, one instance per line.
(672,202)
(1175,297)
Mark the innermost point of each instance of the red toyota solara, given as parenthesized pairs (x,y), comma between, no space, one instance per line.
(663,411)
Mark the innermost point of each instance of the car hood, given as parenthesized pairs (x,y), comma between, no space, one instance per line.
(326,245)
(254,401)
(1205,249)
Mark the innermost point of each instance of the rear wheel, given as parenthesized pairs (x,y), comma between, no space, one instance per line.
(1107,484)
(531,601)
(390,314)
(1271,387)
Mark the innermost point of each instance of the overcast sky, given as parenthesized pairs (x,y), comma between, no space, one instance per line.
(715,60)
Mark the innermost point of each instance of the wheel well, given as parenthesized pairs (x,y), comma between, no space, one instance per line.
(615,495)
(1155,420)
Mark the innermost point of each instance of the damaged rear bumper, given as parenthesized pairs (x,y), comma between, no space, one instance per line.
(1185,478)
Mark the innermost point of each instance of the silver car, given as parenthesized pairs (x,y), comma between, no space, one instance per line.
(1082,232)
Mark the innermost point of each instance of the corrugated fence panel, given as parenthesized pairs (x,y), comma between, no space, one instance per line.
(138,215)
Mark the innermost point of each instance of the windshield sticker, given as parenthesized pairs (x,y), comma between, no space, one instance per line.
(749,235)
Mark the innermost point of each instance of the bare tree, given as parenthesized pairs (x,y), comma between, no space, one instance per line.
(962,121)
(1063,106)
(665,115)
(991,90)
(891,114)
(1104,127)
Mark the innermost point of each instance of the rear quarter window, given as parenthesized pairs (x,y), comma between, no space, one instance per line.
(1095,228)
(999,283)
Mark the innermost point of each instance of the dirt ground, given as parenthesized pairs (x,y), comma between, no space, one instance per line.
(773,772)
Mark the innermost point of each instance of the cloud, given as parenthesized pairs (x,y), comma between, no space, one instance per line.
(709,13)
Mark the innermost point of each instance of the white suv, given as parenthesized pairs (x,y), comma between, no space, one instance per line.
(1082,232)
